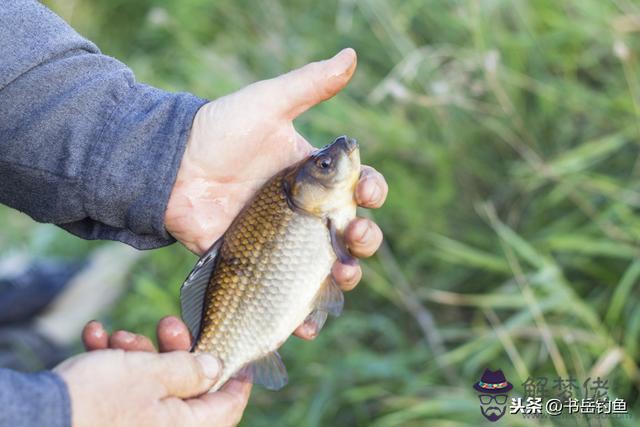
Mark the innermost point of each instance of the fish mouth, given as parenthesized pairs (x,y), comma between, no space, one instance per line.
(349,145)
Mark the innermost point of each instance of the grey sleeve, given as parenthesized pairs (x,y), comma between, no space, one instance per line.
(39,399)
(82,144)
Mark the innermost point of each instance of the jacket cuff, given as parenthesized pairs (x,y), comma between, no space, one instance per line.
(37,399)
(132,168)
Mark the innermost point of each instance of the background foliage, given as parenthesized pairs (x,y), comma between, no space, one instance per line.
(509,133)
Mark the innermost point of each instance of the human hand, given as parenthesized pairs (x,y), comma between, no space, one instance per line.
(171,333)
(239,141)
(122,381)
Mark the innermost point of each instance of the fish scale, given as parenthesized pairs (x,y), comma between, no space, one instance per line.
(282,263)
(270,272)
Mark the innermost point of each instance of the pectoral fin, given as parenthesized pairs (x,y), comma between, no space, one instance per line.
(329,298)
(269,371)
(194,289)
(339,246)
(316,320)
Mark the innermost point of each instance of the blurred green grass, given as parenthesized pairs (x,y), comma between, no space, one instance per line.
(508,132)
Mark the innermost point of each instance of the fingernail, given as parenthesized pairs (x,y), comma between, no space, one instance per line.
(170,326)
(98,333)
(126,337)
(351,276)
(210,365)
(94,327)
(344,58)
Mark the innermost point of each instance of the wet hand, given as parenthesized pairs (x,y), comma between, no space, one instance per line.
(118,388)
(172,384)
(239,141)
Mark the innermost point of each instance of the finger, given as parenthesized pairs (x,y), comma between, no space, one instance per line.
(94,337)
(301,89)
(306,331)
(372,188)
(182,374)
(346,276)
(225,405)
(363,237)
(172,335)
(124,340)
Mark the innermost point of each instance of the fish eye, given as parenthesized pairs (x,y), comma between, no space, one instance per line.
(323,162)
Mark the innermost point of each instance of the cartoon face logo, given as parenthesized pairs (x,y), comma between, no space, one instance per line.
(493,390)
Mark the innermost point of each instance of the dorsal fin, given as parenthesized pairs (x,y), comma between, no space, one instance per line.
(194,288)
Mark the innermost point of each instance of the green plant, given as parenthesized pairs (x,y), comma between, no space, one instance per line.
(508,132)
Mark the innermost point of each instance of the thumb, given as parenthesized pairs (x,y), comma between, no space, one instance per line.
(184,374)
(301,89)
(226,405)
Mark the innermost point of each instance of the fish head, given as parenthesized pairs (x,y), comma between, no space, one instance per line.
(324,183)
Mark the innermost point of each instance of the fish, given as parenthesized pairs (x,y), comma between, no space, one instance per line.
(271,270)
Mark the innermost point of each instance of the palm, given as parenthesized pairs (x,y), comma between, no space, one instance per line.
(238,141)
(235,167)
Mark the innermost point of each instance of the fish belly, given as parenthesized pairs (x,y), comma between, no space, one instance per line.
(269,294)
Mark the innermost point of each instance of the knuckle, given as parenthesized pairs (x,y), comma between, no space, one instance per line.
(319,80)
(187,361)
